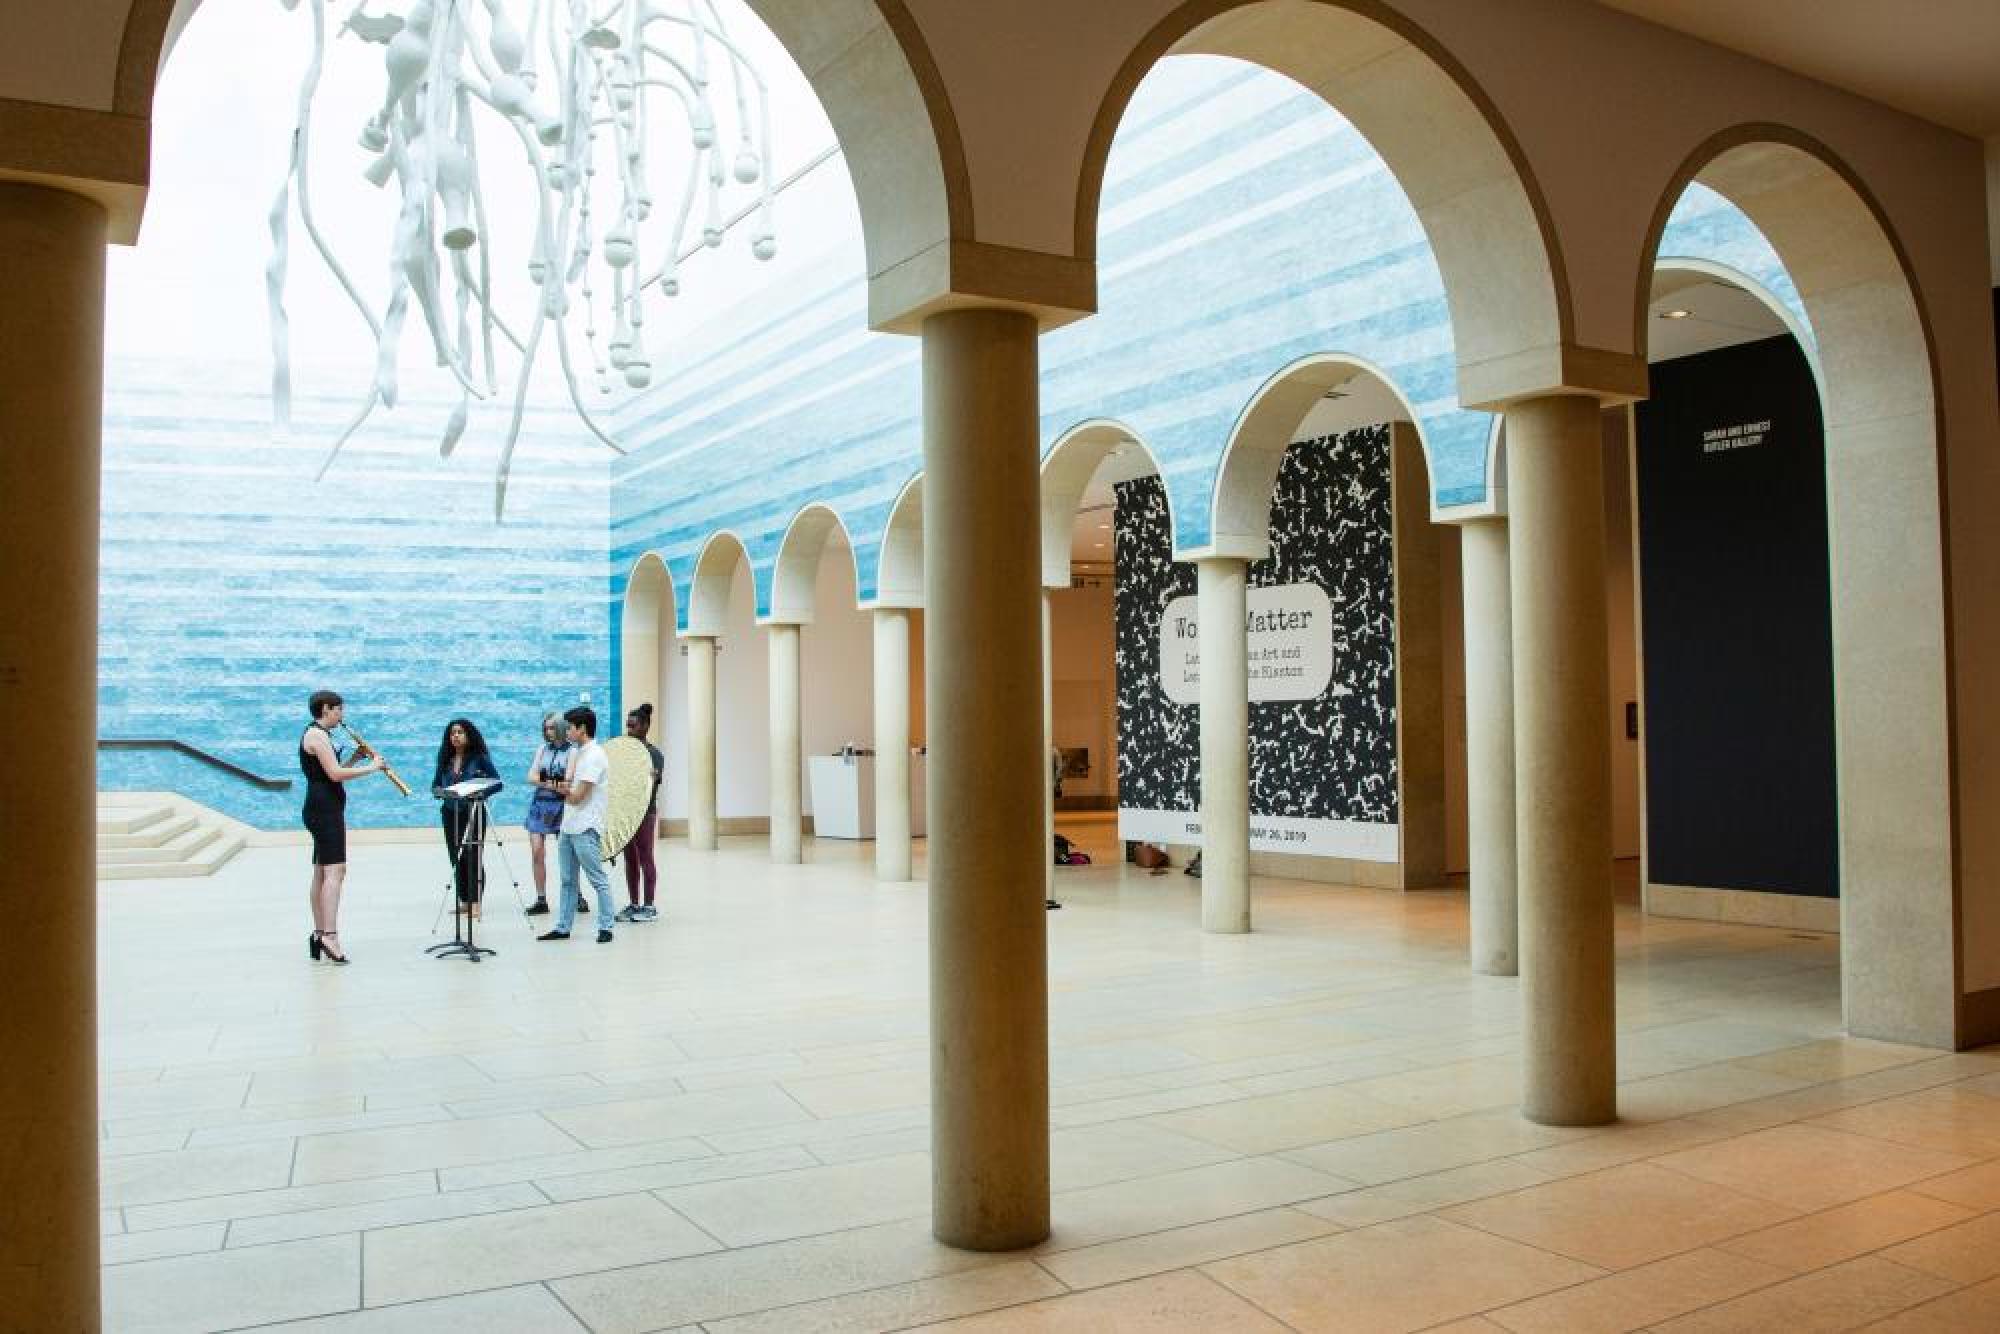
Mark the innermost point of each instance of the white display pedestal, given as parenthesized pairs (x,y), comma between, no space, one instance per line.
(843,795)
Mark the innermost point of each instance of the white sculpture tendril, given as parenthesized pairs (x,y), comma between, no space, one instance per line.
(578,86)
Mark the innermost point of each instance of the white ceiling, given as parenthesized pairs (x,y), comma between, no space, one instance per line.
(1719,315)
(1938,59)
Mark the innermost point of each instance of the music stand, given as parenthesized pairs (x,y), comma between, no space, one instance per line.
(470,853)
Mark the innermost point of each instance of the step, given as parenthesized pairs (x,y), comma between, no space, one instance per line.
(130,819)
(152,836)
(181,847)
(205,862)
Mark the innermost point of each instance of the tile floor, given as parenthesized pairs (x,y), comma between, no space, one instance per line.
(719,1120)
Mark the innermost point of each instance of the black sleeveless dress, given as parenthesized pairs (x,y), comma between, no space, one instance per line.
(325,810)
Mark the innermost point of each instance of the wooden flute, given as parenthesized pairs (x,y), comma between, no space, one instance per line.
(388,771)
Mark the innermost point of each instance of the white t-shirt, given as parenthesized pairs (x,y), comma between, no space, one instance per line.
(590,767)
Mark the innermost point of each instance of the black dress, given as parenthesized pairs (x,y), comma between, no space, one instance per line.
(325,811)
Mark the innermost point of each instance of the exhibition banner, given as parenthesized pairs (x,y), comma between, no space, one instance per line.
(1289,630)
(1320,639)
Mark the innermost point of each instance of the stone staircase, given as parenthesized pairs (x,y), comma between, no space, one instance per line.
(157,835)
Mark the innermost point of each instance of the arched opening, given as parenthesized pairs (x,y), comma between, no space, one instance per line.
(1104,508)
(645,638)
(1729,546)
(1890,704)
(1425,116)
(721,606)
(1325,489)
(813,586)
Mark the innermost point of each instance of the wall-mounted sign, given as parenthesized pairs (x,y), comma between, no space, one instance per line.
(1289,630)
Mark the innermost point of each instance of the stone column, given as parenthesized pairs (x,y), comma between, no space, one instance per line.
(701,742)
(1489,746)
(988,777)
(1555,493)
(1222,592)
(787,820)
(892,743)
(51,410)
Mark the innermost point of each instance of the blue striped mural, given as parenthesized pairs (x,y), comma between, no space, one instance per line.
(232,586)
(1244,225)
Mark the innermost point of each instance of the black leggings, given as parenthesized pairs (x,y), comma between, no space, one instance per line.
(464,870)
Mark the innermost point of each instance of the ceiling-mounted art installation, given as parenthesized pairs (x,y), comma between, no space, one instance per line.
(594,96)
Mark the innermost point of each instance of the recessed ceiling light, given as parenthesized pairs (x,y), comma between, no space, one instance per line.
(1675,314)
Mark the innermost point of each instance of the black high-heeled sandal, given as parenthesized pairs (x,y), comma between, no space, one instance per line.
(312,946)
(328,950)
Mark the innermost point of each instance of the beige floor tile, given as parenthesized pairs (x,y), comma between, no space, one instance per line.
(1624,1142)
(614,1124)
(1809,1167)
(1686,1092)
(1176,1248)
(1967,1252)
(1974,1187)
(525,1310)
(751,1210)
(1434,1146)
(383,1213)
(1949,1119)
(1642,1296)
(1842,1233)
(1974,1310)
(873,1091)
(681,1172)
(904,1305)
(1287,1120)
(1835,1058)
(1179,1199)
(152,1178)
(371,1153)
(1449,1090)
(1623,1216)
(1167,1304)
(1477,1324)
(1846,1296)
(162,1242)
(1387,1277)
(291,1199)
(1085,1156)
(1416,1195)
(706,1288)
(544,1167)
(230,1289)
(460,1255)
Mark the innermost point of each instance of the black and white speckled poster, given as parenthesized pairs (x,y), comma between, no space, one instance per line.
(1322,769)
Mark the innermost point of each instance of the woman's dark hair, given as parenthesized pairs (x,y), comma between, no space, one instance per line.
(321,701)
(643,712)
(475,744)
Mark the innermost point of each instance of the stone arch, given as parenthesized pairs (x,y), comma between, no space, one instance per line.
(1887,568)
(708,588)
(646,621)
(1241,503)
(795,571)
(873,74)
(1441,136)
(899,564)
(1066,471)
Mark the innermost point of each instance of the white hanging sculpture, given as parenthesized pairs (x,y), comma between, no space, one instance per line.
(575,85)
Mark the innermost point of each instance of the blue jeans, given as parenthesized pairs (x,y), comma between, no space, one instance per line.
(572,851)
